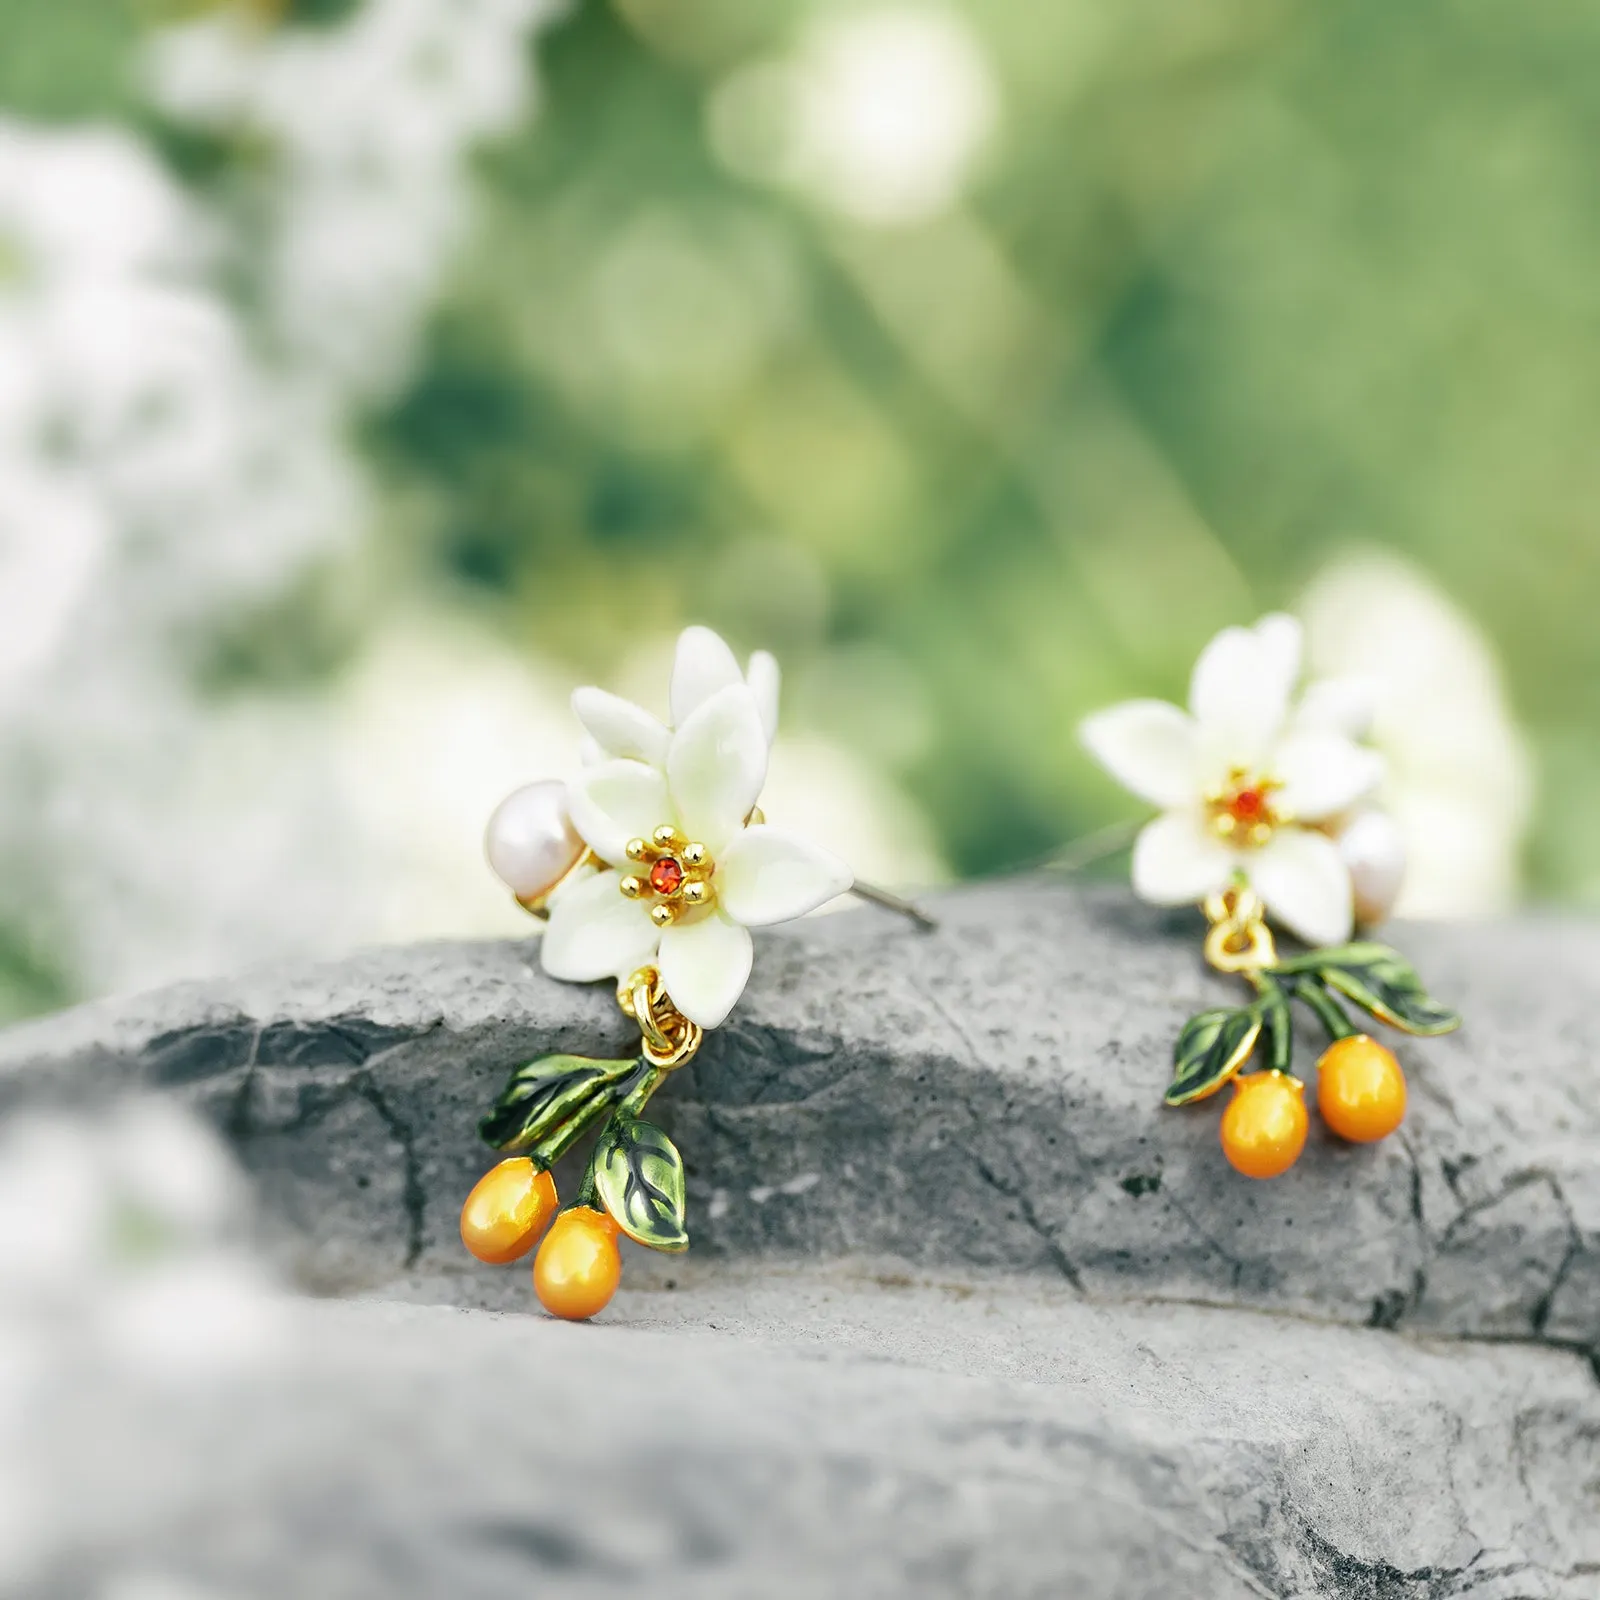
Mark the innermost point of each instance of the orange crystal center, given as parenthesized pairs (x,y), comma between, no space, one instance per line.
(666,876)
(1242,811)
(1249,805)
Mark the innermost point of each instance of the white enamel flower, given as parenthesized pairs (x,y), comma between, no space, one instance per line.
(1459,782)
(703,664)
(686,874)
(1247,781)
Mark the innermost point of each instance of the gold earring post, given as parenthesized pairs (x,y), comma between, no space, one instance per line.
(1092,847)
(871,893)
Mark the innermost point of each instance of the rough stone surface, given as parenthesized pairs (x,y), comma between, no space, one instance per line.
(812,1434)
(987,1096)
(967,1311)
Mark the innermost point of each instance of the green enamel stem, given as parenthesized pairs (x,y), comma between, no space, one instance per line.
(1328,1010)
(633,1102)
(551,1149)
(1314,960)
(1266,986)
(1270,1005)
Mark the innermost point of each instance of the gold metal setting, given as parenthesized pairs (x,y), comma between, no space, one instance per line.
(1241,810)
(538,905)
(668,1038)
(1239,939)
(677,875)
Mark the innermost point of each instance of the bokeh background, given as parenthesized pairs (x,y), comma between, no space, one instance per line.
(371,371)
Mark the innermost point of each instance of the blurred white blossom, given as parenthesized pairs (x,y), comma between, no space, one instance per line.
(155,478)
(151,470)
(83,211)
(1459,777)
(90,1203)
(123,1261)
(180,375)
(124,1244)
(880,114)
(431,728)
(372,121)
(824,789)
(53,540)
(168,467)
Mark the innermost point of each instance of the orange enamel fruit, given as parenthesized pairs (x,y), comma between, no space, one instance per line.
(1264,1127)
(1361,1091)
(507,1211)
(578,1266)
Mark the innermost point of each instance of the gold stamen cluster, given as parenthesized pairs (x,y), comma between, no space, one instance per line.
(693,889)
(1252,827)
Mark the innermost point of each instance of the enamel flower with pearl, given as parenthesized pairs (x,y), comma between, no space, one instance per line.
(687,869)
(530,841)
(1250,785)
(1266,811)
(651,868)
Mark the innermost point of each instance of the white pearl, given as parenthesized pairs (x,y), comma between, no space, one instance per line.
(530,842)
(1374,849)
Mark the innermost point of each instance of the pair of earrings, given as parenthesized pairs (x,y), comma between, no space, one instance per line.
(651,868)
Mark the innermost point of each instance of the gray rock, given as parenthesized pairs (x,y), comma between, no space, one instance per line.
(967,1311)
(987,1096)
(807,1433)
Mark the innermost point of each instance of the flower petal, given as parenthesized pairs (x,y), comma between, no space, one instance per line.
(1281,640)
(623,730)
(1323,774)
(594,932)
(705,966)
(703,665)
(615,802)
(582,873)
(1240,690)
(716,766)
(1178,858)
(1374,849)
(764,679)
(1338,705)
(770,875)
(1149,747)
(1305,883)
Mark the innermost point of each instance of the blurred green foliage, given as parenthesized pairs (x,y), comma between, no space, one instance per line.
(1237,286)
(67,61)
(1240,285)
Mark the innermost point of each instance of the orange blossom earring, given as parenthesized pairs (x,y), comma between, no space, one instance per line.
(1267,814)
(649,870)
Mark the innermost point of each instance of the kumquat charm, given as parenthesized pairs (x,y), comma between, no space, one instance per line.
(649,870)
(1267,811)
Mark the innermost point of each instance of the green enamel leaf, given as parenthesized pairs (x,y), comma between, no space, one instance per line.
(1383,982)
(1277,1026)
(638,1175)
(547,1094)
(1312,993)
(1210,1050)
